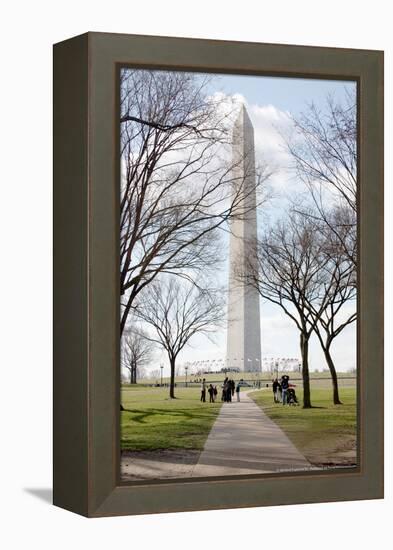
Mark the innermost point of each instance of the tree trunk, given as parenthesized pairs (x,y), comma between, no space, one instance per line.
(172,381)
(133,373)
(333,373)
(305,372)
(124,318)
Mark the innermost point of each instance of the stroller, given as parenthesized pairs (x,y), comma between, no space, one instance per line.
(292,399)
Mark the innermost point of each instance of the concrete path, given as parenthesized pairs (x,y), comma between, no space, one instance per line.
(244,440)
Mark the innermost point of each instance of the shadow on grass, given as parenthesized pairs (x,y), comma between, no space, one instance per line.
(185,413)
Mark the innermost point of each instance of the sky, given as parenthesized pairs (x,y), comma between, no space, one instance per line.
(270,101)
(284,94)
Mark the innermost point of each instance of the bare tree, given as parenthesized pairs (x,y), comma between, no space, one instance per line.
(287,272)
(176,311)
(177,183)
(304,269)
(339,226)
(136,352)
(338,288)
(323,148)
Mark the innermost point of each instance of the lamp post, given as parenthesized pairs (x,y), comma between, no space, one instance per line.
(162,368)
(186,369)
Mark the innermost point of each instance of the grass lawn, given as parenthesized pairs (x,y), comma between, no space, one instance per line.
(326,434)
(152,421)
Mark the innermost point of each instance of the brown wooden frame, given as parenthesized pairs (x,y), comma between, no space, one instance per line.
(86,290)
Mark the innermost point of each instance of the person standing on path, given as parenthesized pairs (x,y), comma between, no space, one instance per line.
(229,391)
(203,391)
(211,393)
(238,392)
(223,392)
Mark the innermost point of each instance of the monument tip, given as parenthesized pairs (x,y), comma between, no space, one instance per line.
(243,118)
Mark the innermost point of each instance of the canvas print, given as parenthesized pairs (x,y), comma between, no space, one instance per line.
(238,275)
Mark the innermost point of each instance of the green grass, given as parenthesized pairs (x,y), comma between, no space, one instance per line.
(152,421)
(326,433)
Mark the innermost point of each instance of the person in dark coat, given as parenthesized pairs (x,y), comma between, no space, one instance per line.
(284,388)
(229,391)
(224,390)
(276,390)
(203,391)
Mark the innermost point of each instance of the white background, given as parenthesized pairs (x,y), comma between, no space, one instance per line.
(28,30)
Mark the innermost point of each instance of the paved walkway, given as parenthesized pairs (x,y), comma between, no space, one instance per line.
(244,440)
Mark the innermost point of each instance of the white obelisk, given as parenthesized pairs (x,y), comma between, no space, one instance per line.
(244,332)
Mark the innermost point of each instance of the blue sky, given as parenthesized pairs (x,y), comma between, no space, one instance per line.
(286,94)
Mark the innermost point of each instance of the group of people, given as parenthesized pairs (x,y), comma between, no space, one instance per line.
(283,391)
(229,388)
(212,391)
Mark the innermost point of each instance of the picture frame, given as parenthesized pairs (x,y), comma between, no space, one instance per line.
(86,283)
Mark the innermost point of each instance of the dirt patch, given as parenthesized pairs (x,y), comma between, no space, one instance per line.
(343,453)
(158,464)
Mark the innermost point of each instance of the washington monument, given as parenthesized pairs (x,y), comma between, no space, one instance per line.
(244,332)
